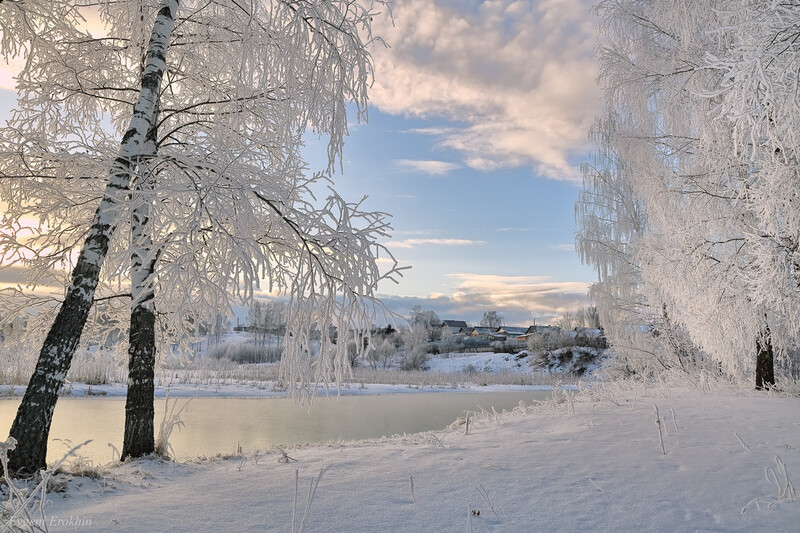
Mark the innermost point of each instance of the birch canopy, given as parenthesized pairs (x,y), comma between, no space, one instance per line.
(703,99)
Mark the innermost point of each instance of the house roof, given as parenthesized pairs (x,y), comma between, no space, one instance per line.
(589,332)
(454,323)
(512,330)
(541,329)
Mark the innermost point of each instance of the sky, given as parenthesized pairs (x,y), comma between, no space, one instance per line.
(477,128)
(478,122)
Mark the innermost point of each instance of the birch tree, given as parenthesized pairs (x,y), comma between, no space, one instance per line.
(612,222)
(224,197)
(718,253)
(32,424)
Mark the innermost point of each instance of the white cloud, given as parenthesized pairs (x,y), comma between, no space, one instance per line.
(537,294)
(520,299)
(434,168)
(48,283)
(416,232)
(511,229)
(518,74)
(566,247)
(411,243)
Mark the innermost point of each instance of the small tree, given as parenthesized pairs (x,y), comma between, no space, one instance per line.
(267,319)
(592,317)
(447,341)
(255,318)
(414,355)
(492,319)
(426,319)
(566,322)
(383,355)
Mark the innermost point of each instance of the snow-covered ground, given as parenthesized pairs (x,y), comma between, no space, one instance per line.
(590,465)
(478,362)
(581,360)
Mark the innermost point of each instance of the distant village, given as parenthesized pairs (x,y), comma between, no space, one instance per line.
(503,333)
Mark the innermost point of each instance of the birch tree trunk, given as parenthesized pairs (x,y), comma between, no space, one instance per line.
(139,436)
(31,426)
(765,361)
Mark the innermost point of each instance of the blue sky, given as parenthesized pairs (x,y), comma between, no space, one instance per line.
(476,240)
(478,122)
(478,119)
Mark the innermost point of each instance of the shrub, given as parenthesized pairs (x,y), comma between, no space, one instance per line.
(550,340)
(414,360)
(507,346)
(246,353)
(352,354)
(97,367)
(16,365)
(383,355)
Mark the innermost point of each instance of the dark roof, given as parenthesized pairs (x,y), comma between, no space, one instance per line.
(512,330)
(454,323)
(541,329)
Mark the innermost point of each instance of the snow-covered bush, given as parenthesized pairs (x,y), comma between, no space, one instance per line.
(169,423)
(246,353)
(352,353)
(591,338)
(16,365)
(383,355)
(448,342)
(550,340)
(95,366)
(470,369)
(507,346)
(414,354)
(414,360)
(576,360)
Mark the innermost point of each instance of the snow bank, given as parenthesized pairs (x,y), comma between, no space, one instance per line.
(575,466)
(478,362)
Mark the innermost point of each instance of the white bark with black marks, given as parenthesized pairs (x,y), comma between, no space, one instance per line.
(139,436)
(31,426)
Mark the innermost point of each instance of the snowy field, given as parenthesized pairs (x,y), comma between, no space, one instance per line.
(594,463)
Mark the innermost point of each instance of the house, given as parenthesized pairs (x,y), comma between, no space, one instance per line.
(588,333)
(589,337)
(538,330)
(511,332)
(454,327)
(482,331)
(542,329)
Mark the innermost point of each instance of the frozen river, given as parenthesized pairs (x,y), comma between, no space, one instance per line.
(221,425)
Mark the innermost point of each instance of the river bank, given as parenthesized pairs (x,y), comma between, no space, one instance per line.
(595,462)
